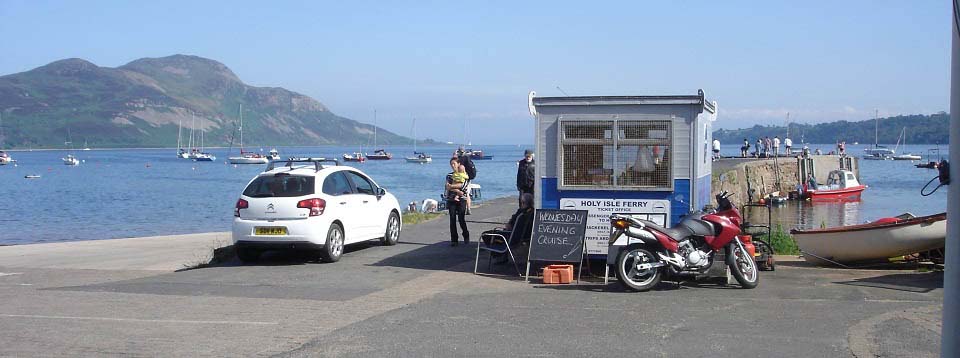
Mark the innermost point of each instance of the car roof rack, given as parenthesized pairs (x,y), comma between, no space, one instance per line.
(290,161)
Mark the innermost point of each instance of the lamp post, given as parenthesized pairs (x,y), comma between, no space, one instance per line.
(949,345)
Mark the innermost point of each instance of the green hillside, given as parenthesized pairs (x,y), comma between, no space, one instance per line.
(140,104)
(920,129)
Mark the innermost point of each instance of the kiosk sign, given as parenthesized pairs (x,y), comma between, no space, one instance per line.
(597,233)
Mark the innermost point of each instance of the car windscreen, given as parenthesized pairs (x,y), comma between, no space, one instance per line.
(280,185)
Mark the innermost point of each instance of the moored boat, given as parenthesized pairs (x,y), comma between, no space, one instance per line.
(246,157)
(273,154)
(841,185)
(70,160)
(419,157)
(355,157)
(881,239)
(380,154)
(477,154)
(5,158)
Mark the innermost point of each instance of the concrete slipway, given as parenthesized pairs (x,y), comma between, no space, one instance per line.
(420,298)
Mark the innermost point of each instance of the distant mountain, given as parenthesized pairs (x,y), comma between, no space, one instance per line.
(142,102)
(921,129)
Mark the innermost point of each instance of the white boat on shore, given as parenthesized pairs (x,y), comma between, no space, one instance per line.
(881,239)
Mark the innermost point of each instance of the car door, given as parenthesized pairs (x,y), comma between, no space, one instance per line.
(371,220)
(343,205)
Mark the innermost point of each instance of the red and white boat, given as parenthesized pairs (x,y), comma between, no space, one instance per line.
(355,157)
(841,185)
(881,239)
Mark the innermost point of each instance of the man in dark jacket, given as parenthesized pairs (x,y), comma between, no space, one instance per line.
(526,175)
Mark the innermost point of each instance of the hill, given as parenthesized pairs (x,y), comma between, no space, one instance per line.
(141,103)
(921,129)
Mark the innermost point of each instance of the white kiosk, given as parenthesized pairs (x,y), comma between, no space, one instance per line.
(643,155)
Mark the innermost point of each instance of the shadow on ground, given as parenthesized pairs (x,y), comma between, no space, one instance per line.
(909,282)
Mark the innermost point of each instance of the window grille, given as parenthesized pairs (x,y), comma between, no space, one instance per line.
(637,157)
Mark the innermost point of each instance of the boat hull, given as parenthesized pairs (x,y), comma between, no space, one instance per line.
(872,241)
(246,160)
(907,157)
(852,193)
(419,160)
(379,157)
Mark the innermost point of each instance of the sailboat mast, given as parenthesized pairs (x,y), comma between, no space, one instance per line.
(414,136)
(374,129)
(876,130)
(179,133)
(241,128)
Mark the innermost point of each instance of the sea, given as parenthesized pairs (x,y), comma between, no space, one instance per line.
(120,193)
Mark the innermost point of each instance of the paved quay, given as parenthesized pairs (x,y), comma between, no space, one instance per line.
(420,298)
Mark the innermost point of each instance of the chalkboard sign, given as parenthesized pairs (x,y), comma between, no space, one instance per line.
(557,235)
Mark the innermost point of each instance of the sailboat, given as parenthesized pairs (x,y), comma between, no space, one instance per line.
(905,156)
(70,159)
(246,157)
(201,155)
(878,152)
(181,153)
(378,154)
(4,157)
(418,157)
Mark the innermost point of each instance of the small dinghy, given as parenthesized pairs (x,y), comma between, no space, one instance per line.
(31,176)
(881,239)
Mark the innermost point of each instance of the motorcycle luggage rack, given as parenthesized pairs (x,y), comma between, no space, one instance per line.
(289,163)
(764,261)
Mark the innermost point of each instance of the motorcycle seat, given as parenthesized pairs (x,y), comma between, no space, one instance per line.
(697,226)
(677,233)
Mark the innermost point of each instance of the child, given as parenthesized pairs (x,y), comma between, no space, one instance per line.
(460,178)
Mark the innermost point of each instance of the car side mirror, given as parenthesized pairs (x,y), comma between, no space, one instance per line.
(380,193)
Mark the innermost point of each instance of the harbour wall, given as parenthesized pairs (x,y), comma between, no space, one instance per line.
(751,179)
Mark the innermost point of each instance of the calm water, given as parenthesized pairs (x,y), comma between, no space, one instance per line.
(131,193)
(893,188)
(115,194)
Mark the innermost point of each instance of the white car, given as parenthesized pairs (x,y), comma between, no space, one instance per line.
(305,205)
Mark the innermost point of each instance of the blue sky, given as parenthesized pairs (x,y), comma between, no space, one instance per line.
(450,62)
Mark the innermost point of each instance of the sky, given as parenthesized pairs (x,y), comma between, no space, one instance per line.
(456,65)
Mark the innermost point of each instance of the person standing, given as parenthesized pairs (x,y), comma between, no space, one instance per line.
(759,146)
(716,149)
(456,208)
(745,148)
(526,174)
(776,146)
(787,143)
(840,148)
(767,143)
(471,169)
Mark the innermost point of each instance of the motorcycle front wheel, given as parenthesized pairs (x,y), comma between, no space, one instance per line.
(742,265)
(633,278)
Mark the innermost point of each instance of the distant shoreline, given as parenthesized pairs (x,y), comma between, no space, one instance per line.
(279,146)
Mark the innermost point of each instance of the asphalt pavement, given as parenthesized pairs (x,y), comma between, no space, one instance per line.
(420,298)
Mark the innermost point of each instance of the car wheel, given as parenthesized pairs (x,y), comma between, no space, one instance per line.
(392,234)
(248,255)
(333,249)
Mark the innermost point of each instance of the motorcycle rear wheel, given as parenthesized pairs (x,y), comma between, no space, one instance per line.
(630,277)
(742,265)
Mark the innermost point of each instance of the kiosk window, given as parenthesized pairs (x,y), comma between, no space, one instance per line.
(637,157)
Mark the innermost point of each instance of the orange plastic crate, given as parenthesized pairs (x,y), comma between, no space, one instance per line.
(558,274)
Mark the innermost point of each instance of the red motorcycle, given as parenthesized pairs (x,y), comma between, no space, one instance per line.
(643,252)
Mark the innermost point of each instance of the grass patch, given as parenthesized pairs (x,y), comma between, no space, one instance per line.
(782,242)
(416,218)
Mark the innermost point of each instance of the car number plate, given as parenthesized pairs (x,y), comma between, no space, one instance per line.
(272,230)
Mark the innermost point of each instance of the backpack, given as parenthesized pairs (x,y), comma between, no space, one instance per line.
(469,167)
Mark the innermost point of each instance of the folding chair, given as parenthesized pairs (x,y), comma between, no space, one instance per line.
(501,245)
